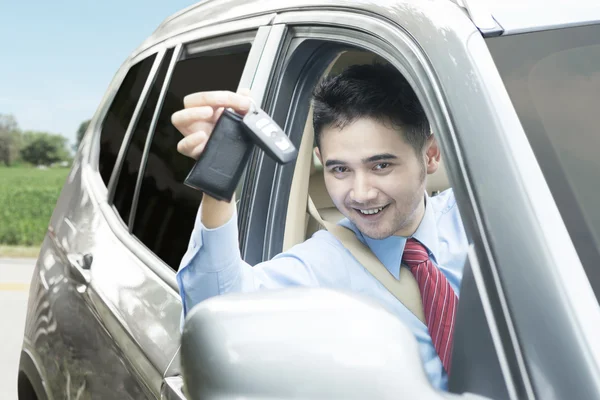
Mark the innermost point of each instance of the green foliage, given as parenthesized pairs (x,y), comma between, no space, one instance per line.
(41,148)
(27,199)
(81,131)
(10,139)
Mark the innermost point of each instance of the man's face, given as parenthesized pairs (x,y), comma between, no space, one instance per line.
(375,178)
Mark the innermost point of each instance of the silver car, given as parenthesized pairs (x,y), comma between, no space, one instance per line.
(512,91)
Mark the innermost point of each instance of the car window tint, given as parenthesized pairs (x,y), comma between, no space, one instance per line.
(119,114)
(553,80)
(133,156)
(167,209)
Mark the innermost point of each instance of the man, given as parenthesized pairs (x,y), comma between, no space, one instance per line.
(374,142)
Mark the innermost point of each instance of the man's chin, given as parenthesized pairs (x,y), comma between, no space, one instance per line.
(373,233)
(376,235)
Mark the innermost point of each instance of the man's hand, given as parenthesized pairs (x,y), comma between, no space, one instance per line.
(202,110)
(196,123)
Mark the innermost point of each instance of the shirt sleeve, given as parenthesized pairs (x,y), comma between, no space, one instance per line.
(213,265)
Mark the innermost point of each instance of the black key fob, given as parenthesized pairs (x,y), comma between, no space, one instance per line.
(221,164)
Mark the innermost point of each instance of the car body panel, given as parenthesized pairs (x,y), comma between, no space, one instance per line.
(517,16)
(66,332)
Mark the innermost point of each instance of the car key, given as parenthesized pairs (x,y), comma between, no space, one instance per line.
(220,166)
(269,136)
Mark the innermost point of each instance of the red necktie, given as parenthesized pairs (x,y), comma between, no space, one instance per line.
(439,299)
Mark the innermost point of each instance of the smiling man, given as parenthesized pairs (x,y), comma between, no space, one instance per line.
(374,141)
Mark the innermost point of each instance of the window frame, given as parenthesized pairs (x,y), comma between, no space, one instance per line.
(396,46)
(160,54)
(156,114)
(214,35)
(131,128)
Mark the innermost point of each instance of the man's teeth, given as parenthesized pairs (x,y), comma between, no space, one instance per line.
(372,211)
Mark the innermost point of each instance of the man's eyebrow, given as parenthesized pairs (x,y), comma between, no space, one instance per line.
(379,157)
(330,163)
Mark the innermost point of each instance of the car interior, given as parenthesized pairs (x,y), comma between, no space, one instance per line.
(308,181)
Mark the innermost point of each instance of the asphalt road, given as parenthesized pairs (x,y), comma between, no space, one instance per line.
(15,275)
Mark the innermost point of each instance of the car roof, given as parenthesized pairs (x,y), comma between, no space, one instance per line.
(507,16)
(518,16)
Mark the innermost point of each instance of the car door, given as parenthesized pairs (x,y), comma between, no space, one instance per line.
(312,46)
(517,332)
(73,354)
(124,220)
(163,210)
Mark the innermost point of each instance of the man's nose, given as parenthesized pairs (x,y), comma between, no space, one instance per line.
(362,190)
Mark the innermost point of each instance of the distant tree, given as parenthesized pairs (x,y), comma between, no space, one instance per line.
(42,148)
(81,131)
(10,139)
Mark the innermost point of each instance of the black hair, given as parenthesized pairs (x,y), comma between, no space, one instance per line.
(377,91)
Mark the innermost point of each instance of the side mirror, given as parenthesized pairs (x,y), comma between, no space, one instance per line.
(300,344)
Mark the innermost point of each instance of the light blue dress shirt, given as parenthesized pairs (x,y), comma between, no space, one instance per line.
(212,265)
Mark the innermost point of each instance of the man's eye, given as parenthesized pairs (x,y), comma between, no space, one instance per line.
(339,170)
(381,166)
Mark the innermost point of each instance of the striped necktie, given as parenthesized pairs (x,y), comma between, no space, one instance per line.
(439,299)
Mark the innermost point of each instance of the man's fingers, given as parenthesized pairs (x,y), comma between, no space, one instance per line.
(217,115)
(186,118)
(189,144)
(202,110)
(237,101)
(197,151)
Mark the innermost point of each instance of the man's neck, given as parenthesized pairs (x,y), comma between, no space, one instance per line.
(415,220)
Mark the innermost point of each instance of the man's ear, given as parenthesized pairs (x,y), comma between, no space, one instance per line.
(432,155)
(318,154)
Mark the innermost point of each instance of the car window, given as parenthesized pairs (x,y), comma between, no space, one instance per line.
(553,80)
(166,209)
(119,115)
(135,148)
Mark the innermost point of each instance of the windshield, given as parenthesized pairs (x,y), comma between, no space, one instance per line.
(553,79)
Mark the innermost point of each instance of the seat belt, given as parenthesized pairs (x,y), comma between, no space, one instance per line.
(405,289)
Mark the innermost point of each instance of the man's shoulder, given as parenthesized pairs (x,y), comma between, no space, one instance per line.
(444,202)
(448,218)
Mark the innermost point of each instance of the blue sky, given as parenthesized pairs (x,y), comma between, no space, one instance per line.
(58,57)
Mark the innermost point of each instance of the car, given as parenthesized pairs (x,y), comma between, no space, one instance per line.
(511,90)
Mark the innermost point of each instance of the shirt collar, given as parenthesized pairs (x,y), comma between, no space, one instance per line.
(427,232)
(389,250)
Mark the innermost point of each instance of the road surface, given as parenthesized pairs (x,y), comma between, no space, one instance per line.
(15,275)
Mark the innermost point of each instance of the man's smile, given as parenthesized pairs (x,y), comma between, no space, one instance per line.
(370,213)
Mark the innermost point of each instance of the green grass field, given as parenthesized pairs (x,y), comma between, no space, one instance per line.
(27,197)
